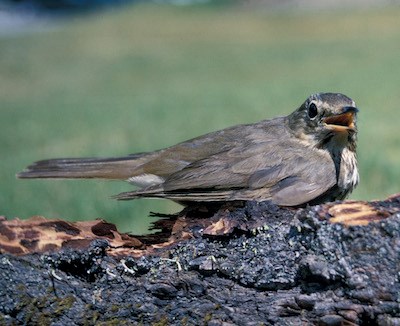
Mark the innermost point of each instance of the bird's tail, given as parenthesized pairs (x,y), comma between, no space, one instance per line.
(106,168)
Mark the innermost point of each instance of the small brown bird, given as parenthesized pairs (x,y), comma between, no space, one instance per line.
(308,156)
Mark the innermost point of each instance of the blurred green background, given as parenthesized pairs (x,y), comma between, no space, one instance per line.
(145,77)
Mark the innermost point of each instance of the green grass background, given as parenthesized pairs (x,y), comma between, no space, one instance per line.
(145,77)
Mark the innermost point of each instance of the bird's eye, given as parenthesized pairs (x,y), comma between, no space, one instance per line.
(312,110)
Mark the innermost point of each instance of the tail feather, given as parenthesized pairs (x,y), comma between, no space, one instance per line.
(108,168)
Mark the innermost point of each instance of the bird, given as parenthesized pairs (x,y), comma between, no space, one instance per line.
(305,158)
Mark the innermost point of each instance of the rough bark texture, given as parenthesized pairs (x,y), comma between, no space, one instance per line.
(247,265)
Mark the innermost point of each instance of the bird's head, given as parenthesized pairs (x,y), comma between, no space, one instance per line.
(325,119)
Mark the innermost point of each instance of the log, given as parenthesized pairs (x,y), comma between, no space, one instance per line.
(238,264)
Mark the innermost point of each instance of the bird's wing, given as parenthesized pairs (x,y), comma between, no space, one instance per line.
(226,170)
(196,151)
(289,174)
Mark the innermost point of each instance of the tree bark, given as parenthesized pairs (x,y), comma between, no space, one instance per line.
(246,264)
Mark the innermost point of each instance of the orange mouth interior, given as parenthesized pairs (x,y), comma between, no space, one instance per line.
(341,120)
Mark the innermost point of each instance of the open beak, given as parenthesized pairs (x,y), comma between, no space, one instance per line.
(343,121)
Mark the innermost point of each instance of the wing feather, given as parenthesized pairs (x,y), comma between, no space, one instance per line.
(289,182)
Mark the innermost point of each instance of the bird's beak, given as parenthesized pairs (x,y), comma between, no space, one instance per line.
(343,121)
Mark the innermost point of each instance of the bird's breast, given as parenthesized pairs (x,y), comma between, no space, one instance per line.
(348,174)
